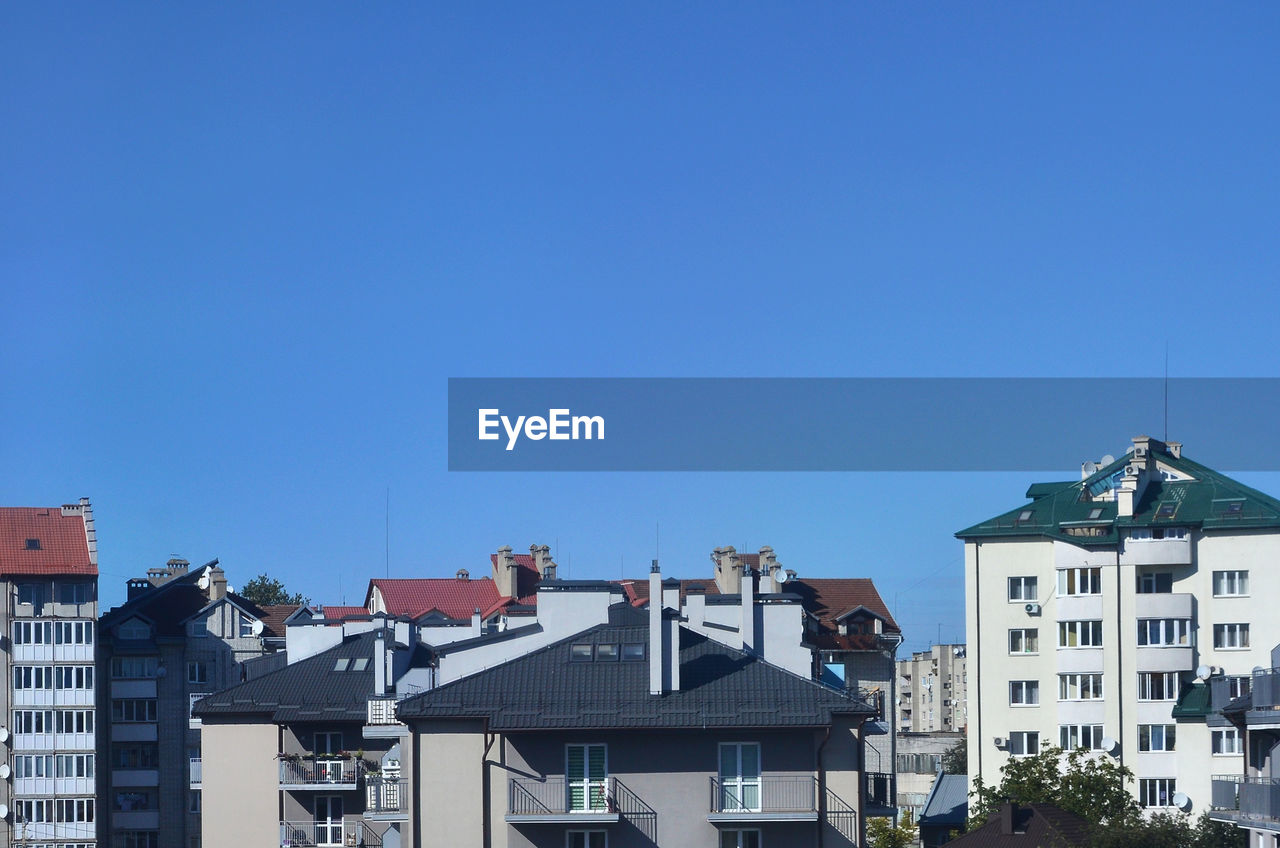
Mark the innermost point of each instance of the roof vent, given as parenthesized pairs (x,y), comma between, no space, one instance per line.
(463,574)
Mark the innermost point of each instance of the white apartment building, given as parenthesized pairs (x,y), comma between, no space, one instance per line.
(931,690)
(1099,612)
(49,573)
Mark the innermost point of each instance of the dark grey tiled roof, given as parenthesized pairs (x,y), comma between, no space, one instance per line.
(720,687)
(948,801)
(308,690)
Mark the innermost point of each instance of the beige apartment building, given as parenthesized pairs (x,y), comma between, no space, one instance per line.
(1115,612)
(931,691)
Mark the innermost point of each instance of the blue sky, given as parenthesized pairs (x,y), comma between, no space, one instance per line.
(244,247)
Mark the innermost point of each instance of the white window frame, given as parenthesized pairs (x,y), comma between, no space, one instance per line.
(330,830)
(1157,737)
(1073,736)
(198,672)
(1146,678)
(1087,633)
(1026,690)
(1024,737)
(1084,580)
(1149,789)
(1231,636)
(1149,583)
(1167,632)
(1022,638)
(1023,589)
(1231,583)
(737,784)
(1087,686)
(595,790)
(1219,739)
(246,627)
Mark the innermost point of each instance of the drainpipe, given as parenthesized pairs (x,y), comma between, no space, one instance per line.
(977,671)
(417,786)
(1120,652)
(822,788)
(485,800)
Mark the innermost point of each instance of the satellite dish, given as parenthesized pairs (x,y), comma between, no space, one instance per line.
(4,811)
(1182,801)
(1203,672)
(231,590)
(1109,745)
(782,576)
(1090,468)
(502,625)
(4,734)
(257,628)
(203,582)
(5,771)
(1108,459)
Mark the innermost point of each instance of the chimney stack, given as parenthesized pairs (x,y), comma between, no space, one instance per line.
(542,561)
(769,571)
(217,584)
(748,609)
(504,572)
(728,570)
(1008,816)
(90,535)
(657,659)
(475,622)
(380,662)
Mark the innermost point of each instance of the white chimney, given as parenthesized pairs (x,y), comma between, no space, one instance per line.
(695,606)
(748,610)
(380,663)
(769,570)
(657,660)
(475,622)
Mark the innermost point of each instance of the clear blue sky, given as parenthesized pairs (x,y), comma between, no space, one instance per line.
(243,247)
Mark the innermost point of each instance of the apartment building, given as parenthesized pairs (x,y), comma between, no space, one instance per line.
(635,732)
(49,574)
(931,691)
(1251,799)
(180,634)
(1115,612)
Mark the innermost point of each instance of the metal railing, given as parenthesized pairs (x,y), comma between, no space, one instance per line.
(382,711)
(196,776)
(320,771)
(879,788)
(765,794)
(316,834)
(842,816)
(1255,798)
(530,796)
(1266,689)
(386,795)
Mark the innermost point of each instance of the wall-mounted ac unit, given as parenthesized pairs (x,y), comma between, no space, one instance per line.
(1032,609)
(999,740)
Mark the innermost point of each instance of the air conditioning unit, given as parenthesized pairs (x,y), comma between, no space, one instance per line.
(1032,609)
(999,740)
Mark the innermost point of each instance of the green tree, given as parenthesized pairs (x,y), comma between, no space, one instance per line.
(266,591)
(1078,782)
(882,834)
(956,759)
(1170,830)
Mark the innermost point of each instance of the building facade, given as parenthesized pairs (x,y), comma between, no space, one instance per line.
(181,634)
(1105,612)
(931,691)
(49,573)
(1251,799)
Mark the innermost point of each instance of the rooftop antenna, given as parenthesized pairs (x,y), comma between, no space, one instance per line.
(1166,390)
(388,531)
(657,539)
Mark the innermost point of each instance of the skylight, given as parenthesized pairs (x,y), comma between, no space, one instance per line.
(33,544)
(1167,510)
(580,653)
(1025,515)
(632,651)
(360,664)
(1096,512)
(341,664)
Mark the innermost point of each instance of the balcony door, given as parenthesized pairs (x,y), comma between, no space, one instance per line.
(586,772)
(328,770)
(740,776)
(329,820)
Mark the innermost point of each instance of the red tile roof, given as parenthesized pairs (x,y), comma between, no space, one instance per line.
(335,611)
(62,546)
(453,597)
(273,616)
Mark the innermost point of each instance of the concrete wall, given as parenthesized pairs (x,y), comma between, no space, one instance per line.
(448,799)
(241,780)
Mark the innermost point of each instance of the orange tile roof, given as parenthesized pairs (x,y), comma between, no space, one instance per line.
(61,546)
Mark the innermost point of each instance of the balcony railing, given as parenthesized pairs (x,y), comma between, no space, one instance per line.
(315,834)
(879,789)
(196,777)
(382,711)
(766,795)
(1266,689)
(558,796)
(1249,798)
(321,772)
(385,795)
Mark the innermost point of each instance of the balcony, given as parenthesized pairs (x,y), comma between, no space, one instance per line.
(382,711)
(879,789)
(386,798)
(319,773)
(1174,548)
(197,779)
(764,799)
(314,834)
(1245,800)
(554,800)
(1162,604)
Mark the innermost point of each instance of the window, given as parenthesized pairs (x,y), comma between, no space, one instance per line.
(134,629)
(73,677)
(1026,515)
(1227,743)
(73,721)
(1080,581)
(1230,637)
(1024,693)
(73,632)
(739,776)
(1156,583)
(246,627)
(73,765)
(1022,588)
(1164,632)
(1024,743)
(587,771)
(193,804)
(135,755)
(74,593)
(134,667)
(1157,791)
(133,710)
(1080,634)
(34,812)
(633,651)
(32,765)
(739,839)
(1079,687)
(31,593)
(580,652)
(33,677)
(1228,584)
(1157,685)
(136,839)
(607,653)
(198,672)
(587,839)
(328,820)
(328,742)
(1073,736)
(1156,737)
(359,663)
(1024,641)
(198,627)
(1239,685)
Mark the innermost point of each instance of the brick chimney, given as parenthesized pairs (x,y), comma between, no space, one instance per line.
(542,561)
(770,569)
(217,583)
(505,573)
(728,572)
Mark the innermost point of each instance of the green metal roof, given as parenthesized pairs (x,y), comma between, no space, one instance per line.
(1066,510)
(1193,701)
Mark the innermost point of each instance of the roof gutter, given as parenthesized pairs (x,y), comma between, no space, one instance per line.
(485,827)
